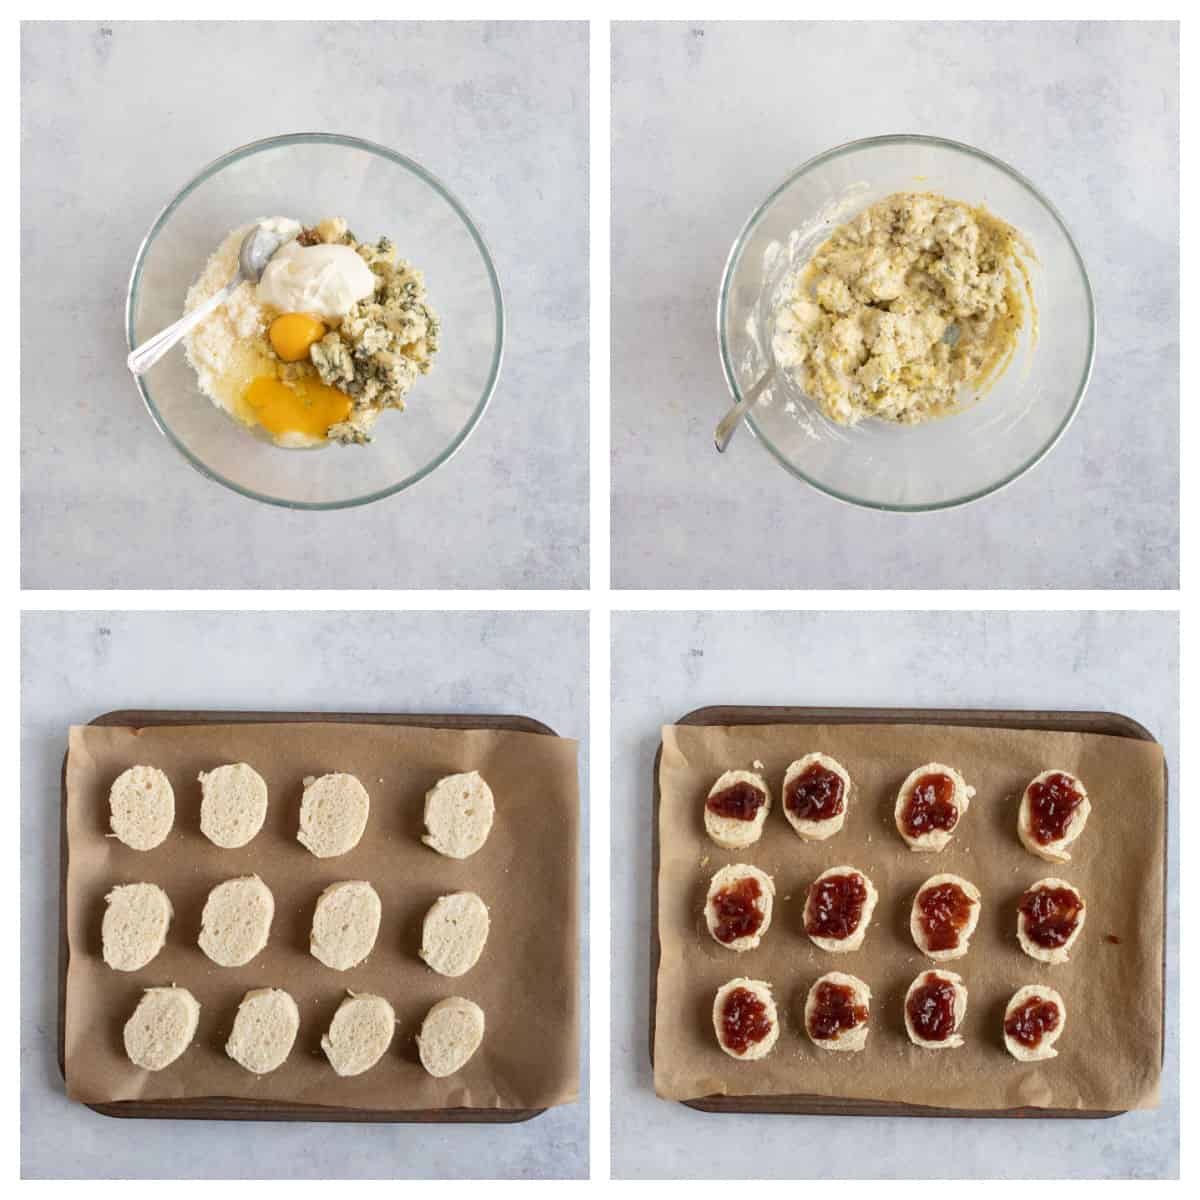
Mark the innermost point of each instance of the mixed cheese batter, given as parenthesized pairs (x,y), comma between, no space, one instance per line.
(904,309)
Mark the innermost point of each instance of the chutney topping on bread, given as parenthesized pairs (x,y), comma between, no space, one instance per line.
(745,1020)
(815,794)
(835,906)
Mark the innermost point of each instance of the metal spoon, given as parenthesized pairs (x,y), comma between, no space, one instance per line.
(257,247)
(733,418)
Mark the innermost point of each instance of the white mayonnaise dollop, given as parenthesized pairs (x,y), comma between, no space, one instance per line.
(325,280)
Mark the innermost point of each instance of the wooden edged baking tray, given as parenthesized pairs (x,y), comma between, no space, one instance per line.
(217,1108)
(1110,724)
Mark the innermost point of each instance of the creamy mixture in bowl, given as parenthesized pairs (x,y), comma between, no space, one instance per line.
(906,311)
(334,332)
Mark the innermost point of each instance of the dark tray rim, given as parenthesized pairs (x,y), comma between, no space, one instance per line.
(1049,720)
(218,1108)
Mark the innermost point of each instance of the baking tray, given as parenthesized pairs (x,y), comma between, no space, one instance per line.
(1110,724)
(216,1108)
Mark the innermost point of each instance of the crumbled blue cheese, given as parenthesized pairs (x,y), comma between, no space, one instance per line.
(378,350)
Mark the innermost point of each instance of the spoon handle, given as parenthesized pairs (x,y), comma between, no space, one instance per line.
(733,418)
(152,349)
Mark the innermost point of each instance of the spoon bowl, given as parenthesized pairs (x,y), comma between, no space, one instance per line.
(953,459)
(308,177)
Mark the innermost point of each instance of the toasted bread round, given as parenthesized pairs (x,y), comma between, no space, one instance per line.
(1045,1047)
(732,832)
(236,920)
(233,804)
(333,814)
(954,1039)
(142,807)
(852,1037)
(715,919)
(454,933)
(161,1028)
(935,839)
(760,992)
(841,945)
(459,811)
(359,1034)
(135,925)
(819,829)
(1053,851)
(450,1034)
(345,924)
(916,923)
(1051,955)
(264,1030)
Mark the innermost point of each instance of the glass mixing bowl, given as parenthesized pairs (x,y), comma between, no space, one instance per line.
(949,460)
(310,176)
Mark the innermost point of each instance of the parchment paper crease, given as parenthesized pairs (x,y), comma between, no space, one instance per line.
(1110,1051)
(526,982)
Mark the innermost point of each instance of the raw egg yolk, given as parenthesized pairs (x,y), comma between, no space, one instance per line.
(292,334)
(304,406)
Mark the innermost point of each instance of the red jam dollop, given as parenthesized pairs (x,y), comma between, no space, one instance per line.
(834,1011)
(816,794)
(1028,1023)
(739,802)
(944,912)
(1052,804)
(1051,915)
(737,910)
(930,805)
(835,906)
(931,1009)
(744,1020)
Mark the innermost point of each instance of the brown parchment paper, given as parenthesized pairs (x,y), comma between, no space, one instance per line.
(527,980)
(1109,1054)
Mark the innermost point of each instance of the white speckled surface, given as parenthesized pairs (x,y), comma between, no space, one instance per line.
(666,664)
(116,117)
(76,666)
(708,119)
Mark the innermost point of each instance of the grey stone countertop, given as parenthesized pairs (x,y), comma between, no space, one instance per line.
(666,664)
(78,665)
(117,117)
(709,118)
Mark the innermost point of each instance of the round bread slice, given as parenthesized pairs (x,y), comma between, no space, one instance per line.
(844,1036)
(916,923)
(345,924)
(818,829)
(135,925)
(142,807)
(333,814)
(459,811)
(162,1027)
(264,1030)
(840,945)
(1041,996)
(454,933)
(450,1034)
(236,920)
(359,1034)
(1060,953)
(742,792)
(729,1006)
(1053,851)
(233,804)
(725,910)
(954,1039)
(935,839)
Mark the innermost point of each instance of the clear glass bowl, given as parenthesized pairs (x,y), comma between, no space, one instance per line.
(310,176)
(950,460)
